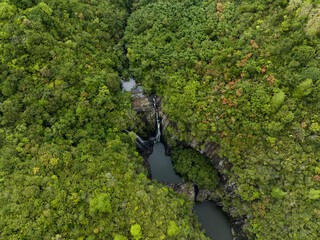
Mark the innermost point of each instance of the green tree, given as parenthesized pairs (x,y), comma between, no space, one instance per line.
(135,230)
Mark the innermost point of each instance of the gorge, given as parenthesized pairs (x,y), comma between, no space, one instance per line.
(238,93)
(213,220)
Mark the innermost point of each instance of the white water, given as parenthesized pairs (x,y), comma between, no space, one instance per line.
(158,134)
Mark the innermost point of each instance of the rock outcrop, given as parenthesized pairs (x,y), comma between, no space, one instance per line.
(186,189)
(143,106)
(205,194)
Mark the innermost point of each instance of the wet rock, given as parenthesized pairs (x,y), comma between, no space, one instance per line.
(142,104)
(186,189)
(145,117)
(209,149)
(205,195)
(145,154)
(145,113)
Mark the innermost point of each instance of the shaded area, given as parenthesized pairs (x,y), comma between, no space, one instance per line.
(213,220)
(161,165)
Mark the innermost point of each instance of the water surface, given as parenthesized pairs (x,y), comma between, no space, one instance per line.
(133,87)
(161,165)
(213,221)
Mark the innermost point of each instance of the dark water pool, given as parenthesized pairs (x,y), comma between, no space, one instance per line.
(161,165)
(213,221)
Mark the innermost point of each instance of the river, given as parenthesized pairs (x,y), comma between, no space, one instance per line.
(212,219)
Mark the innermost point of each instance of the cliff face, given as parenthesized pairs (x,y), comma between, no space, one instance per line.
(226,187)
(144,109)
(145,112)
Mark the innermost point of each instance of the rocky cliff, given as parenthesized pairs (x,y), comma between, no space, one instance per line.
(145,116)
(227,188)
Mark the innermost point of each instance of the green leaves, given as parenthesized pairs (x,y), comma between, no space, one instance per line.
(304,54)
(303,89)
(195,167)
(277,193)
(314,194)
(173,229)
(45,8)
(65,165)
(245,76)
(120,237)
(101,203)
(7,11)
(277,100)
(135,230)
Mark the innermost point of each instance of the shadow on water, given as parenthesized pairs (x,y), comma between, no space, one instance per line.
(161,166)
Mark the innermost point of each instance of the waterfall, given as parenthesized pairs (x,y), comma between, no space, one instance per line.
(141,144)
(158,133)
(146,144)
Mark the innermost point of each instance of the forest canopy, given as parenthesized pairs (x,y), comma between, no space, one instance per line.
(242,74)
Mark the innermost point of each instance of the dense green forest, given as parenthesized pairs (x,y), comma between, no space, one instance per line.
(66,169)
(193,166)
(246,75)
(243,74)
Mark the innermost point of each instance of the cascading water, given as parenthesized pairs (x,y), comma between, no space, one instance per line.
(161,165)
(145,144)
(141,144)
(158,133)
(137,92)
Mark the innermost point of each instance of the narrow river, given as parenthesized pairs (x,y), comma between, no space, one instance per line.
(211,217)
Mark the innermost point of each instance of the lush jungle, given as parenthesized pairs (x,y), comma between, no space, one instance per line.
(243,74)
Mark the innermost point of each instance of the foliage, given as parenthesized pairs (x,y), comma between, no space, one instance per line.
(101,203)
(194,166)
(314,194)
(303,89)
(277,193)
(173,229)
(119,237)
(136,231)
(277,100)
